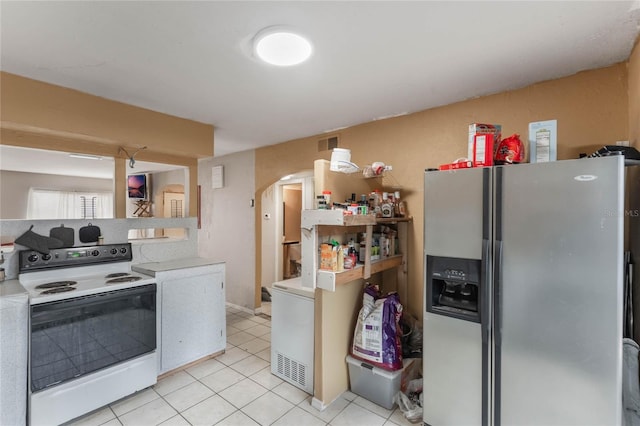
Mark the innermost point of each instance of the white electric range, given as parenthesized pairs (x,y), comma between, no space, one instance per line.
(92,329)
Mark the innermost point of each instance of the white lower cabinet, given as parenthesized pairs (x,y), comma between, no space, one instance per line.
(191,308)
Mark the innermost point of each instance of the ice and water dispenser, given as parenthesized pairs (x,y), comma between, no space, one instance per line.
(453,287)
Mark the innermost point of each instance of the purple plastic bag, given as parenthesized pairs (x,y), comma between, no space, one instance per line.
(377,336)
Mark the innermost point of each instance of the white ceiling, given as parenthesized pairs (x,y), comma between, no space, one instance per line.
(29,160)
(371,59)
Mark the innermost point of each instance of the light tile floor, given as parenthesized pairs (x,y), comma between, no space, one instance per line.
(237,388)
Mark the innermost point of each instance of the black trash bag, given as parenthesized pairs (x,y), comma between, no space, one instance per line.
(38,242)
(266,296)
(411,336)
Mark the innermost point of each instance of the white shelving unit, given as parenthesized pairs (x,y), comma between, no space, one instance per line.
(318,223)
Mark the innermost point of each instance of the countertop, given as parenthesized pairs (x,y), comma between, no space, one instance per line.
(152,268)
(10,288)
(294,285)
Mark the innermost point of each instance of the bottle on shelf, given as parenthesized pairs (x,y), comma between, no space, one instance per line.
(375,202)
(399,205)
(386,208)
(351,252)
(327,199)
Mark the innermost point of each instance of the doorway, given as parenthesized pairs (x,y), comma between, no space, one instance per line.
(173,206)
(291,213)
(273,212)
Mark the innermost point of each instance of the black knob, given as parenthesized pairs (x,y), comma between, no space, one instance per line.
(32,258)
(46,257)
(123,250)
(95,253)
(114,251)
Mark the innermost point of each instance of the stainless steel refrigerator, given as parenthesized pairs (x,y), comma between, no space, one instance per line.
(523,294)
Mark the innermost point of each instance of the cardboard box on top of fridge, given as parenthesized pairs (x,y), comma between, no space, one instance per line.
(456,165)
(480,150)
(483,150)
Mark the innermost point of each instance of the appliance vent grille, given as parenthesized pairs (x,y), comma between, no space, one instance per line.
(291,369)
(327,144)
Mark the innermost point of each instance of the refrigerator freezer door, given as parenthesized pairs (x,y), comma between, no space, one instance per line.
(452,366)
(453,212)
(456,351)
(559,293)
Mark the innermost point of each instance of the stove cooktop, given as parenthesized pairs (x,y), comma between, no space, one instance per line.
(78,271)
(45,286)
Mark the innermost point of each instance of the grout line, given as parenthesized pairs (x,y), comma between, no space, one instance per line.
(244,376)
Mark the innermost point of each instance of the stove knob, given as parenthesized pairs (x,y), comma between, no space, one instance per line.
(46,257)
(123,250)
(95,253)
(114,251)
(32,258)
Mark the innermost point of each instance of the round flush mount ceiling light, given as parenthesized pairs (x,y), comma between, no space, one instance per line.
(281,46)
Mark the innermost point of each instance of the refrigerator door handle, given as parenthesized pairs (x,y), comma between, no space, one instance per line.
(497,331)
(485,321)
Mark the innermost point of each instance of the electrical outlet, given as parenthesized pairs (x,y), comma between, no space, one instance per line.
(622,143)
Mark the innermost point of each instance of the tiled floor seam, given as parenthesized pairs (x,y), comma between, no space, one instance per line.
(272,386)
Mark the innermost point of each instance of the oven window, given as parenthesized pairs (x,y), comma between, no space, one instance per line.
(73,337)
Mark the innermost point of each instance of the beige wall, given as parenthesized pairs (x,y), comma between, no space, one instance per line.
(591,109)
(227,232)
(45,116)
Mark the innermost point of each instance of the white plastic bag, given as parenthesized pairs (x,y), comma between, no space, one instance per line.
(411,411)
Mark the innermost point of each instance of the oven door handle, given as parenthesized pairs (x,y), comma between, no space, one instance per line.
(92,299)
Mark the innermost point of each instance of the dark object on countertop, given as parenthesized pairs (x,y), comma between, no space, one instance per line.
(89,233)
(266,296)
(66,235)
(38,242)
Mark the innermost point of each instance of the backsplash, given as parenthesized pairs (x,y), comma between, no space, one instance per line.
(113,231)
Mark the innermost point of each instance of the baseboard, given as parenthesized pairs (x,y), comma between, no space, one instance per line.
(243,309)
(317,404)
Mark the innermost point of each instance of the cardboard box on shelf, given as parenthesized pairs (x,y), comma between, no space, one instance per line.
(330,259)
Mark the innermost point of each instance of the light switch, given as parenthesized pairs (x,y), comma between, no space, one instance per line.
(217,177)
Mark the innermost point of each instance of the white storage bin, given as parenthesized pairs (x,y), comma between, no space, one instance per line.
(373,383)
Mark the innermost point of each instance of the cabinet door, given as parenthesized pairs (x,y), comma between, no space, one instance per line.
(220,317)
(192,318)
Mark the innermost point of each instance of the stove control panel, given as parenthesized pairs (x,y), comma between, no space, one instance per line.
(31,260)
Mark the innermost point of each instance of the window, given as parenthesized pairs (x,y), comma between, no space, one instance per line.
(47,204)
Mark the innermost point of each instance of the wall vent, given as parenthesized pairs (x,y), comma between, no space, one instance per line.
(291,370)
(328,144)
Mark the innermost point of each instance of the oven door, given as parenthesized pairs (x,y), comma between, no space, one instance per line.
(77,336)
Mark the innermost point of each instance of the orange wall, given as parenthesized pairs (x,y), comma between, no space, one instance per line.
(40,115)
(591,108)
